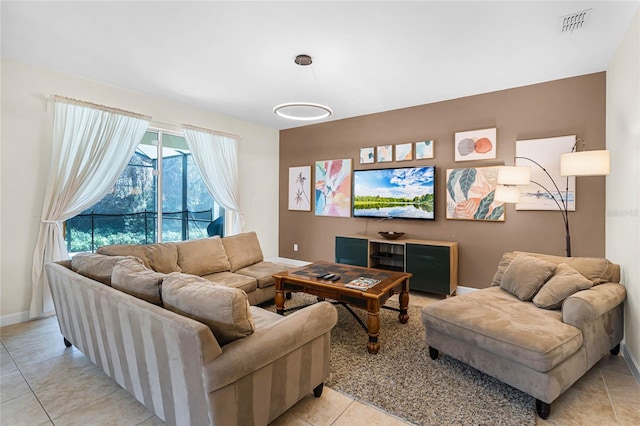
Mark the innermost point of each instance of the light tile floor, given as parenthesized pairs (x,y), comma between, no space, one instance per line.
(44,383)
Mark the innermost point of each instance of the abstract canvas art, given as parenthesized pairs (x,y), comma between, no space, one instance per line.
(470,194)
(367,155)
(545,152)
(475,145)
(385,153)
(404,152)
(300,188)
(333,188)
(424,150)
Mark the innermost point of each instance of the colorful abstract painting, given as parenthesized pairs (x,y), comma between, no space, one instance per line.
(300,188)
(385,153)
(367,155)
(424,150)
(476,145)
(333,188)
(470,194)
(546,152)
(404,152)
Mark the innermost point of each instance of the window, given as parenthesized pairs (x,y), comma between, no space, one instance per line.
(161,177)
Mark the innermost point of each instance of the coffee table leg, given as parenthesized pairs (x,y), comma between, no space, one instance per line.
(279,298)
(373,327)
(403,298)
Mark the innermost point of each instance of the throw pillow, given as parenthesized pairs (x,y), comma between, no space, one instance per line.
(525,275)
(224,310)
(502,266)
(132,277)
(98,267)
(561,285)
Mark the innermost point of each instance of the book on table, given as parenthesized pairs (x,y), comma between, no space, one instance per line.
(362,283)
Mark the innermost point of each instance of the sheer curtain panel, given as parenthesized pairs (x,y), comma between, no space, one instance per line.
(216,156)
(91,146)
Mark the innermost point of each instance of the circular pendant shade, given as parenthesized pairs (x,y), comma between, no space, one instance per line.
(302,111)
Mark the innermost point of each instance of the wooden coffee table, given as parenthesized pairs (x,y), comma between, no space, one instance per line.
(305,280)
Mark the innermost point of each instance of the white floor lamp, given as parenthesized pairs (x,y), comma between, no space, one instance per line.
(574,163)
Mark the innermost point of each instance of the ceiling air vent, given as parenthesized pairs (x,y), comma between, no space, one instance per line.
(573,22)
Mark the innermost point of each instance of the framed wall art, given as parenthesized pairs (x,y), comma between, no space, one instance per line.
(424,150)
(404,152)
(475,145)
(367,155)
(384,153)
(470,194)
(300,188)
(333,188)
(545,152)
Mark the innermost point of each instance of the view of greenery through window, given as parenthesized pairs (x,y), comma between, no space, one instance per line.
(128,214)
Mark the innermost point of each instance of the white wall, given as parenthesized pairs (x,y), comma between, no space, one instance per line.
(26,119)
(623,184)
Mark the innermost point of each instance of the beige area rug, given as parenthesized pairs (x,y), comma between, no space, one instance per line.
(403,380)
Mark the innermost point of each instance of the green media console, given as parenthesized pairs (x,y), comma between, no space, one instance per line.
(434,264)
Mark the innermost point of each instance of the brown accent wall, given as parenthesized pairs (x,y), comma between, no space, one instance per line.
(557,108)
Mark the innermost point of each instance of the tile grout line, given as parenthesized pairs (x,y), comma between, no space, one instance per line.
(28,385)
(343,411)
(606,387)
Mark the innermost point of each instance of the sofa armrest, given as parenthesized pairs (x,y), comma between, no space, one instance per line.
(244,356)
(587,305)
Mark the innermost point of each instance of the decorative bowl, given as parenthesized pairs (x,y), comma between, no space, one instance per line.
(391,235)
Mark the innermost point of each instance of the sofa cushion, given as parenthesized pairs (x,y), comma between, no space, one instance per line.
(161,257)
(229,279)
(500,323)
(203,256)
(132,277)
(224,310)
(596,269)
(525,275)
(564,282)
(242,250)
(98,267)
(263,272)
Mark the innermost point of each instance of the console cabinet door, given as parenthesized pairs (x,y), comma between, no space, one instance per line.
(430,266)
(352,251)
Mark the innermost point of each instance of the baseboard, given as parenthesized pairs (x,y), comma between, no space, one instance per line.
(631,362)
(14,318)
(294,262)
(463,290)
(21,317)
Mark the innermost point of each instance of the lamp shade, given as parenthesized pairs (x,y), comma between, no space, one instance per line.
(585,163)
(302,111)
(507,194)
(514,175)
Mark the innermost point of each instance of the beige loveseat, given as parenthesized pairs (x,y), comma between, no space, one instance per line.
(192,351)
(544,322)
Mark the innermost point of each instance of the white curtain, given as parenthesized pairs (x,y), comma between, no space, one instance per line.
(216,156)
(91,146)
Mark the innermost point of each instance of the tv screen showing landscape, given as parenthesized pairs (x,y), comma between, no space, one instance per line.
(405,193)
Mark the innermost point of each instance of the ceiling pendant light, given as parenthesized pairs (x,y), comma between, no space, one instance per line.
(303,111)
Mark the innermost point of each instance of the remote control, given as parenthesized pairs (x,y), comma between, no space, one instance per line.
(329,276)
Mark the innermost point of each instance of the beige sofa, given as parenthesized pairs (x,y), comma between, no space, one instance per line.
(544,322)
(236,261)
(193,352)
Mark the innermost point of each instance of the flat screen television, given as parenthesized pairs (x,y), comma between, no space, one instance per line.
(397,193)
